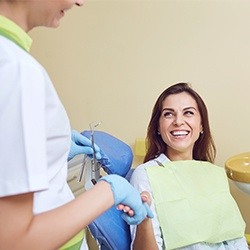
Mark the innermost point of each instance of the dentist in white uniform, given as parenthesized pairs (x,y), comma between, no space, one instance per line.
(37,208)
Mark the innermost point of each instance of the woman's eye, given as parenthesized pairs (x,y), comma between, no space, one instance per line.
(167,114)
(189,113)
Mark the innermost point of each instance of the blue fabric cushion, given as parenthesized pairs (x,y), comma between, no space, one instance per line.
(111,231)
(116,155)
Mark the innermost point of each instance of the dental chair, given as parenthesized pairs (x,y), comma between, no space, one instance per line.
(109,230)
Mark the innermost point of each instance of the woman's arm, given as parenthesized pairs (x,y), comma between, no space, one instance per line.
(147,233)
(20,229)
(144,236)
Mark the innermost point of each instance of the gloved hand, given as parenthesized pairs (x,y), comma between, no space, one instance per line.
(124,193)
(80,144)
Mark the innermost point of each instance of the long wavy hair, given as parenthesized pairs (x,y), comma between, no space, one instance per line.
(204,148)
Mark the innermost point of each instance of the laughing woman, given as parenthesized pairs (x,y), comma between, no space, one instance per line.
(189,195)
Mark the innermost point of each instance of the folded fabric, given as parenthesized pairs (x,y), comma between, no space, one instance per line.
(194,204)
(116,155)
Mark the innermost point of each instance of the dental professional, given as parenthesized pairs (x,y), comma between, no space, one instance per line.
(189,195)
(37,207)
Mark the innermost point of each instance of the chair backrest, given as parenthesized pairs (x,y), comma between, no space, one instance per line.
(117,156)
(109,229)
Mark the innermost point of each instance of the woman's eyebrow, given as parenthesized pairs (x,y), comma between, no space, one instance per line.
(171,109)
(168,109)
(189,108)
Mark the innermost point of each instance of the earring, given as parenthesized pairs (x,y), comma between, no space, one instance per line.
(202,132)
(158,133)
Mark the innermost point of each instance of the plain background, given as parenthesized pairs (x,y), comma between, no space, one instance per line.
(110,60)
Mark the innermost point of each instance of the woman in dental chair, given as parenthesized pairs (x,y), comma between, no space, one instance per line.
(189,195)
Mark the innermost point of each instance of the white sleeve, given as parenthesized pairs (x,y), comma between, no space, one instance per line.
(22,129)
(139,180)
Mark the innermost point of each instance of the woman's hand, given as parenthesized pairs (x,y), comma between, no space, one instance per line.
(145,197)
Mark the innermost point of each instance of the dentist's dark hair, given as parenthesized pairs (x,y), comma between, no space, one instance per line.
(204,148)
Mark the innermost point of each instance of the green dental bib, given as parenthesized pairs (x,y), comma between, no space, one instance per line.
(194,204)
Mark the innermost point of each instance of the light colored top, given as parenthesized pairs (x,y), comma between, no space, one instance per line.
(139,180)
(15,33)
(34,129)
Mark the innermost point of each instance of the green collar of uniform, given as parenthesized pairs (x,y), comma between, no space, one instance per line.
(15,33)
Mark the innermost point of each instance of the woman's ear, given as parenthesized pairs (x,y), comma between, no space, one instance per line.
(201,129)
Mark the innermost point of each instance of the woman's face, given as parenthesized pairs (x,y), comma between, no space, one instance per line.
(48,13)
(180,125)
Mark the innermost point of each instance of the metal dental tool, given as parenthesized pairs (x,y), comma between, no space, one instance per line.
(95,166)
(84,161)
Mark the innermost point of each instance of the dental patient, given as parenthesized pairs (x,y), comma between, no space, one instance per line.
(189,195)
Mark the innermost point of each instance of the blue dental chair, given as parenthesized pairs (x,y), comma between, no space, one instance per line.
(109,230)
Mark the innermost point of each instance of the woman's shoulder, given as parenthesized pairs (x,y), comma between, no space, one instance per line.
(145,165)
(151,163)
(162,158)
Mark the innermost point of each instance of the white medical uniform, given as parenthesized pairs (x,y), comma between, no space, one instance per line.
(139,180)
(34,130)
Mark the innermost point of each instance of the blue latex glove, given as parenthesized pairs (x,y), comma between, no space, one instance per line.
(124,193)
(80,144)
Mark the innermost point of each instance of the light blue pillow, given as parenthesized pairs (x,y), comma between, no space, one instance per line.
(117,156)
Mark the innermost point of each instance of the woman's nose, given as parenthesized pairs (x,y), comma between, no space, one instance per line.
(179,120)
(79,2)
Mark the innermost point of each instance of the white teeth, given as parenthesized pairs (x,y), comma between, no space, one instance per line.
(179,133)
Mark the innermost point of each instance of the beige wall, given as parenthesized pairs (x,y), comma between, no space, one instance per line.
(111,59)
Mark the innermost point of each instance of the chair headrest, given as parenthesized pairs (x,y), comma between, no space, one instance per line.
(117,156)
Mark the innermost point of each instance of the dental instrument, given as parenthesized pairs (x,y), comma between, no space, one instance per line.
(95,165)
(84,161)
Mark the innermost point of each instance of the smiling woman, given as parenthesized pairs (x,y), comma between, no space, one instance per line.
(177,173)
(31,14)
(180,124)
(179,109)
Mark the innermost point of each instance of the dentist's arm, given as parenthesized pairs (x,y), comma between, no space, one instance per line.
(21,229)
